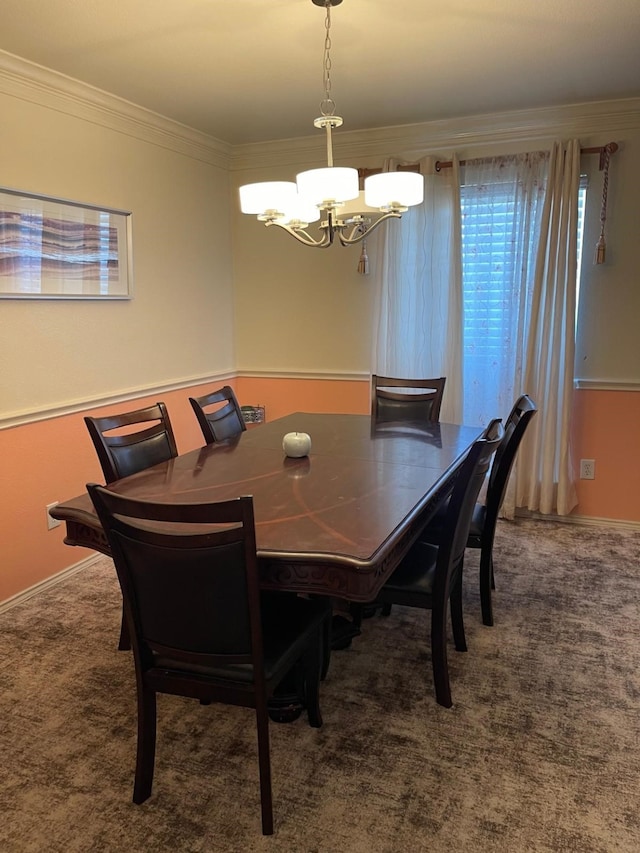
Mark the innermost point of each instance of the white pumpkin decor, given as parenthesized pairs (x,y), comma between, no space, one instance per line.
(296,444)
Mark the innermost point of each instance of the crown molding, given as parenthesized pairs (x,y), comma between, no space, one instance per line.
(412,141)
(31,82)
(39,85)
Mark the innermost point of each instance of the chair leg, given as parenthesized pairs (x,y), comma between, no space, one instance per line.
(312,670)
(146,754)
(357,614)
(326,645)
(457,617)
(124,644)
(486,578)
(439,657)
(264,762)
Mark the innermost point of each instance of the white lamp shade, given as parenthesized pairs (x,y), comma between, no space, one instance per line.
(394,190)
(299,213)
(356,206)
(267,196)
(329,186)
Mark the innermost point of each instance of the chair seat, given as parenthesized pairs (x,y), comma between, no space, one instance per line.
(288,624)
(413,578)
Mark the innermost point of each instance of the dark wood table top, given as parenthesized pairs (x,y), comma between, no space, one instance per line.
(336,522)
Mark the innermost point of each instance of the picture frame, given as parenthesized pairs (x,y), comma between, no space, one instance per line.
(52,248)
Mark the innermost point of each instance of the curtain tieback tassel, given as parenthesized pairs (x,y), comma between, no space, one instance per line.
(601,245)
(363,263)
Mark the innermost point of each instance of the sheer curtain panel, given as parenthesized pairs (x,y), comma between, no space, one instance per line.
(545,478)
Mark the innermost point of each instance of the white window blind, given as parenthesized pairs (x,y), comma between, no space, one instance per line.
(496,267)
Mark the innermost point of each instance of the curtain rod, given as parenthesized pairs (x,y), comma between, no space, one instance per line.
(599,149)
(610,147)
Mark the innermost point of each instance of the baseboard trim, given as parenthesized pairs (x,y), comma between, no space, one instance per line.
(47,583)
(583,520)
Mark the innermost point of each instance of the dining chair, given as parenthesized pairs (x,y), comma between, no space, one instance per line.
(223,421)
(130,451)
(430,576)
(415,400)
(485,515)
(200,627)
(418,399)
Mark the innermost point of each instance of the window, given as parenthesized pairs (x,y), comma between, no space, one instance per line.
(497,267)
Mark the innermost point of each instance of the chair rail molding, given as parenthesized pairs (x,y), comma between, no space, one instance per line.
(28,416)
(606,385)
(282,373)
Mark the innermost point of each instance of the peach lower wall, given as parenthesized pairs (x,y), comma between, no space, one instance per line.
(52,460)
(606,427)
(283,396)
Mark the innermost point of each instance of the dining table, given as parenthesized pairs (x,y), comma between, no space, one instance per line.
(335,522)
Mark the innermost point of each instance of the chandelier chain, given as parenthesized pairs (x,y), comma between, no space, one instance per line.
(327,105)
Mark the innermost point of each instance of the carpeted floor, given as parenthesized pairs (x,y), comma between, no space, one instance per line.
(541,751)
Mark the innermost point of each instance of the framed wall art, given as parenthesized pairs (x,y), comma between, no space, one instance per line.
(56,249)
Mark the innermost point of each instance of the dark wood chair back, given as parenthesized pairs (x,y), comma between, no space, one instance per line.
(485,517)
(190,585)
(464,496)
(130,451)
(419,399)
(224,420)
(514,429)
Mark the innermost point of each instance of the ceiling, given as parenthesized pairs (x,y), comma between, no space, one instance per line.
(251,70)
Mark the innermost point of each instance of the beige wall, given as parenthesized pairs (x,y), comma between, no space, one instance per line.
(297,308)
(179,324)
(608,345)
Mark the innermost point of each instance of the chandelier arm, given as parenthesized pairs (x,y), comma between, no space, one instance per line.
(304,237)
(356,235)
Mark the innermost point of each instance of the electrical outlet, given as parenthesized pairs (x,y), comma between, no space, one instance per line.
(51,521)
(587,469)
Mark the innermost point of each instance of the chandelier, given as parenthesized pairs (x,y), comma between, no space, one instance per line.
(331,194)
